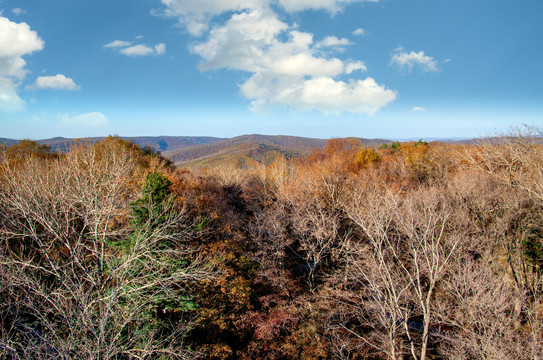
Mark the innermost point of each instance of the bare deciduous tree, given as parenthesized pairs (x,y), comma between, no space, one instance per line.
(78,279)
(405,254)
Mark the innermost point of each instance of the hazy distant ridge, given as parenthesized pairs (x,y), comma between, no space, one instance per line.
(159,143)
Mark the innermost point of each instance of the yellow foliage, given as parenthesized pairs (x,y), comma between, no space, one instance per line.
(366,157)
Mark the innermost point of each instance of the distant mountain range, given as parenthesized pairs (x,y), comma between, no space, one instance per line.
(200,151)
(159,143)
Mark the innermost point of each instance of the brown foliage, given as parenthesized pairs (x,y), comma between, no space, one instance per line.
(416,251)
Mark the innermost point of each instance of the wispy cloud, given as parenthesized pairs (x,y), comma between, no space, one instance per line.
(332,6)
(408,61)
(18,11)
(118,44)
(334,43)
(88,120)
(359,32)
(142,50)
(418,109)
(126,48)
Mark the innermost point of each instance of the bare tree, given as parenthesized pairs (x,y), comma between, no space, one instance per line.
(78,279)
(408,249)
(514,158)
(480,309)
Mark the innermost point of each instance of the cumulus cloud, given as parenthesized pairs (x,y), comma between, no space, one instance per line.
(126,48)
(322,93)
(57,82)
(419,109)
(16,40)
(407,61)
(288,72)
(287,67)
(241,43)
(89,120)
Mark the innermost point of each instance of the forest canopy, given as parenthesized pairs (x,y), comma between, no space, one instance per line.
(407,251)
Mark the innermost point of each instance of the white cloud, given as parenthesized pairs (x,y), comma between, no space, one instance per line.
(118,43)
(355,66)
(359,32)
(407,61)
(333,42)
(137,50)
(286,66)
(160,49)
(126,48)
(323,93)
(16,40)
(57,82)
(289,72)
(90,120)
(240,43)
(18,11)
(307,65)
(196,14)
(419,109)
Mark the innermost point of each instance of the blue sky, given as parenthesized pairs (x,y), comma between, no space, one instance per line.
(319,68)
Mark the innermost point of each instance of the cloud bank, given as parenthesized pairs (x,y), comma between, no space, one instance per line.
(287,67)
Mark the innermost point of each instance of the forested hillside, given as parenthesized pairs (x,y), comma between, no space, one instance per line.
(406,251)
(249,150)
